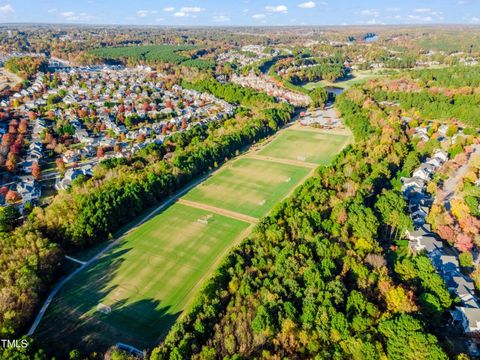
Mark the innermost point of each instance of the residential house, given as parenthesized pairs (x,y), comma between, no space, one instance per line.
(468,318)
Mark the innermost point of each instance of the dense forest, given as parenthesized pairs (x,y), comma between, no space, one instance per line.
(454,76)
(312,69)
(152,54)
(26,66)
(436,94)
(319,277)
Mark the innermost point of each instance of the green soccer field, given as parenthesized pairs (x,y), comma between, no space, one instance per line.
(145,280)
(248,186)
(148,279)
(305,145)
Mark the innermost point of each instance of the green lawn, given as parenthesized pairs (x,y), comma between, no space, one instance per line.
(248,186)
(146,280)
(310,146)
(357,78)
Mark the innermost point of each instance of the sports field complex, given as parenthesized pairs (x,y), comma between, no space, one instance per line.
(135,291)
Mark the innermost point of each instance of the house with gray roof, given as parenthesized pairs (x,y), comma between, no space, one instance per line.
(468,318)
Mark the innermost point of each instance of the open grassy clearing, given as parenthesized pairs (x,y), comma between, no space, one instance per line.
(8,79)
(145,280)
(357,78)
(248,186)
(310,146)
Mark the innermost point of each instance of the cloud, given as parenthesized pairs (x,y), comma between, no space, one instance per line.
(169,9)
(396,17)
(194,9)
(277,9)
(474,20)
(220,18)
(68,14)
(6,9)
(371,12)
(418,18)
(73,16)
(144,13)
(422,10)
(52,10)
(258,16)
(307,5)
(393,9)
(188,12)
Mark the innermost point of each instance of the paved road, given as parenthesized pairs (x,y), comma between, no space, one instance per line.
(57,287)
(450,184)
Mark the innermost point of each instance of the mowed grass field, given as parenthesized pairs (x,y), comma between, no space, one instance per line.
(146,280)
(248,186)
(359,76)
(306,145)
(152,274)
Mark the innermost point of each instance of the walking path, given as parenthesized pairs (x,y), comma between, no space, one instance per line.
(219,211)
(75,260)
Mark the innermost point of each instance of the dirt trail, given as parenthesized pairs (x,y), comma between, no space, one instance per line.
(283,161)
(219,211)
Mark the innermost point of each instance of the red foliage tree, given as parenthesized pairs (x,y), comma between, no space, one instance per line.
(23,127)
(82,113)
(12,197)
(100,152)
(11,162)
(60,165)
(7,140)
(36,171)
(447,233)
(464,242)
(469,224)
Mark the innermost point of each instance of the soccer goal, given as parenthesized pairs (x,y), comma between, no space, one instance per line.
(301,158)
(104,309)
(205,220)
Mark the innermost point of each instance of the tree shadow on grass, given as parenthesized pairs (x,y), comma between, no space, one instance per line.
(74,321)
(139,324)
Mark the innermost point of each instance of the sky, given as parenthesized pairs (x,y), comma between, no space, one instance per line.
(241,12)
